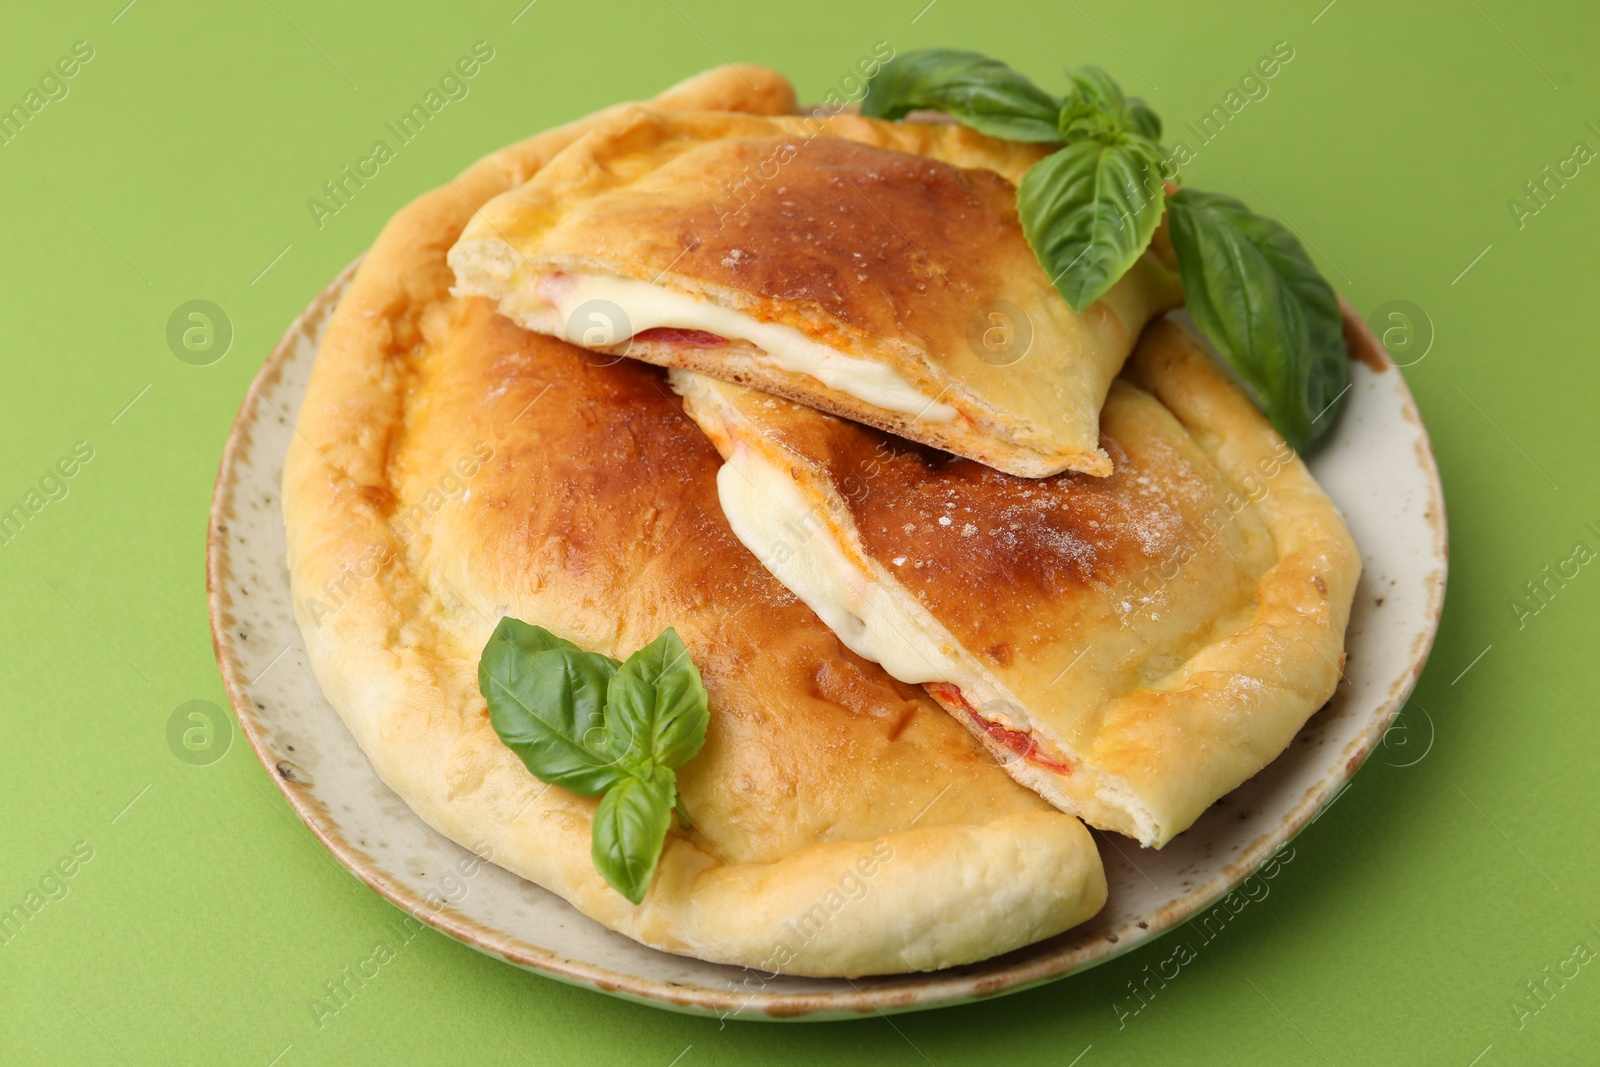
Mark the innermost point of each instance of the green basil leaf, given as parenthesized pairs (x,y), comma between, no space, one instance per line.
(1089,210)
(1141,119)
(1255,294)
(1095,108)
(656,711)
(629,830)
(582,721)
(547,702)
(971,88)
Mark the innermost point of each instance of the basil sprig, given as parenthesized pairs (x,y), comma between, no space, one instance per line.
(1090,209)
(596,727)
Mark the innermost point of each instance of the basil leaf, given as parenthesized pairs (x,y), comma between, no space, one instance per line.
(973,89)
(582,721)
(656,707)
(1096,108)
(1141,119)
(1253,291)
(1089,210)
(629,830)
(547,702)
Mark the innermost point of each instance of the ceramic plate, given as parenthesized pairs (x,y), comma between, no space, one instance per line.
(1379,468)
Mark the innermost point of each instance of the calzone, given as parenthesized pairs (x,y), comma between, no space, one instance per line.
(1131,647)
(874,270)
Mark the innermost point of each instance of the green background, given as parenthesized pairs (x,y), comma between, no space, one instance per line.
(179,167)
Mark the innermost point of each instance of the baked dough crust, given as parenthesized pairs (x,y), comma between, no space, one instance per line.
(1132,648)
(883,241)
(450,468)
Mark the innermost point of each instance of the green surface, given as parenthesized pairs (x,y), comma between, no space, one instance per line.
(178,167)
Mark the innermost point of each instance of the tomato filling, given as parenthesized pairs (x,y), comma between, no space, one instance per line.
(672,335)
(1019,741)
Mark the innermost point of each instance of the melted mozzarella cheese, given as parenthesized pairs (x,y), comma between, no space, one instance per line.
(770,516)
(647,306)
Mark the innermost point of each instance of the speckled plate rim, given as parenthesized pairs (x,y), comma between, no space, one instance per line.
(909,992)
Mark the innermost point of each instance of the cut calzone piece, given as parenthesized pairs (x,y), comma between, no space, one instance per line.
(1131,647)
(875,270)
(451,468)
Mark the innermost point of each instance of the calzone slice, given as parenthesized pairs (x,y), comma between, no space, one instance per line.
(1131,647)
(452,468)
(875,270)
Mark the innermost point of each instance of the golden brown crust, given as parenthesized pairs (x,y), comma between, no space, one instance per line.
(830,246)
(1159,634)
(451,468)
(1055,546)
(882,241)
